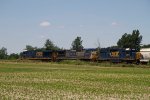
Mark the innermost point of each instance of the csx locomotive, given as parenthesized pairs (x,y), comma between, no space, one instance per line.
(115,55)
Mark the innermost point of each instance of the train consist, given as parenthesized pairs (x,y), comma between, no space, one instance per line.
(115,55)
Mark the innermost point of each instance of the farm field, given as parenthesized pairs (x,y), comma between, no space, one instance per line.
(37,80)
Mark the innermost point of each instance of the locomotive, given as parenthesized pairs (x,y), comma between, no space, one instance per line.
(115,55)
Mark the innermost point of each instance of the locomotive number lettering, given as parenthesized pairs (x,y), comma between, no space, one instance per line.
(39,54)
(115,54)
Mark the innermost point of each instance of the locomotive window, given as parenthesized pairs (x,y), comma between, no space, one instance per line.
(127,53)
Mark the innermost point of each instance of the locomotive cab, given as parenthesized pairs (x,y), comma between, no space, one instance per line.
(116,55)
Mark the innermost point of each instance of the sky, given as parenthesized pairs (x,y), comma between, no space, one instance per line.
(31,22)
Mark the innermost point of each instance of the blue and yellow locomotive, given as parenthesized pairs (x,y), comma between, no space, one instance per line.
(115,55)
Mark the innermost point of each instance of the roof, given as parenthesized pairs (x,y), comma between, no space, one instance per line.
(145,49)
(89,49)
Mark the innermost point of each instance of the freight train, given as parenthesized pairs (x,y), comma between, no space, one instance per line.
(115,55)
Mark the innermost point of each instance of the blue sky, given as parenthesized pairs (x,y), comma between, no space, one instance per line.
(31,22)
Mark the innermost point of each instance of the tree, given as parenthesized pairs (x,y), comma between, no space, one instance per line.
(3,53)
(136,39)
(13,56)
(98,47)
(29,47)
(77,44)
(130,40)
(146,46)
(49,45)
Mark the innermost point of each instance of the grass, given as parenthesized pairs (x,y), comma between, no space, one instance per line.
(77,80)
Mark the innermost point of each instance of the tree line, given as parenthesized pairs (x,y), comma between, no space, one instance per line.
(128,40)
(4,55)
(49,45)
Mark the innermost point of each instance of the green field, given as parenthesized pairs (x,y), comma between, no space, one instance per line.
(37,80)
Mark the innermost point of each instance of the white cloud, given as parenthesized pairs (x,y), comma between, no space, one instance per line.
(45,24)
(114,24)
